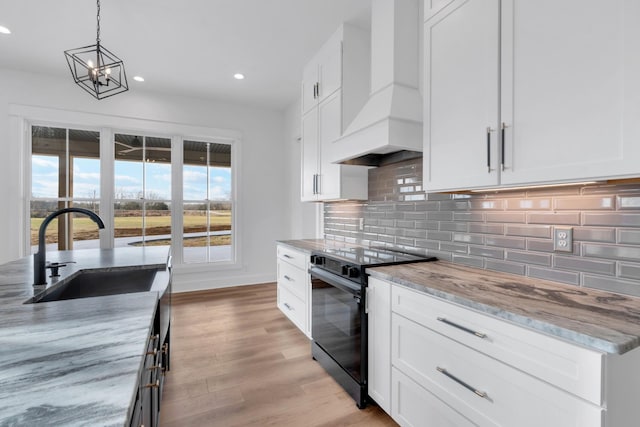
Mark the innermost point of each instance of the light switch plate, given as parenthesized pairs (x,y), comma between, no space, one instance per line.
(563,239)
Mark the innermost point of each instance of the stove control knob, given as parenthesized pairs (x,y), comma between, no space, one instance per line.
(345,270)
(353,272)
(317,260)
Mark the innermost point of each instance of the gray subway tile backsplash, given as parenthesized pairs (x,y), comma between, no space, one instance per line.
(507,231)
(626,237)
(614,219)
(554,275)
(506,267)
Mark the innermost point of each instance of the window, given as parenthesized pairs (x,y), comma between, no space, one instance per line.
(65,172)
(208,202)
(142,190)
(151,186)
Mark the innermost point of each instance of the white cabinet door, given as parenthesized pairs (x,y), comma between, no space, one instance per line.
(310,152)
(309,86)
(330,69)
(413,406)
(462,96)
(379,342)
(570,92)
(329,124)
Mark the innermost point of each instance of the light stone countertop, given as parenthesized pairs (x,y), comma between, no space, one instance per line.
(602,321)
(309,245)
(73,362)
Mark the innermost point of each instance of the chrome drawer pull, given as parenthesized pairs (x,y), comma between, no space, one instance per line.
(462,383)
(287,256)
(288,278)
(462,328)
(288,306)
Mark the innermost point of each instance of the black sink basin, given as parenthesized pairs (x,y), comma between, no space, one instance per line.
(100,283)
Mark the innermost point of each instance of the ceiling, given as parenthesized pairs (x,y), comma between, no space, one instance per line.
(190,47)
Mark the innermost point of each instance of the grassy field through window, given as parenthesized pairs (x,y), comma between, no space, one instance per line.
(158,223)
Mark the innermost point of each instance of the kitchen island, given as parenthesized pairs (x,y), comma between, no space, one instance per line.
(78,361)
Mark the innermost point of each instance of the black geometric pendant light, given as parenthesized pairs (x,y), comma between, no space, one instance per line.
(97,70)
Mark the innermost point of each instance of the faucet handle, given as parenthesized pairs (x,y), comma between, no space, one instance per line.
(55,266)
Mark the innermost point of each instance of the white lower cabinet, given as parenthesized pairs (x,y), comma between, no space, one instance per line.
(294,287)
(379,342)
(415,406)
(481,388)
(433,363)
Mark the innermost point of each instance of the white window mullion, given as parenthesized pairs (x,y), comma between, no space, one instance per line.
(208,204)
(177,204)
(143,196)
(23,128)
(107,183)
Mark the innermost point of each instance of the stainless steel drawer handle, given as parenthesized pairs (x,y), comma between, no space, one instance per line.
(288,306)
(288,278)
(462,383)
(287,256)
(462,328)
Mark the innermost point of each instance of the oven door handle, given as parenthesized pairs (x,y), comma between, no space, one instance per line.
(337,281)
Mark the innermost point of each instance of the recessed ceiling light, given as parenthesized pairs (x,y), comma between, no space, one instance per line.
(238,76)
(138,78)
(4,30)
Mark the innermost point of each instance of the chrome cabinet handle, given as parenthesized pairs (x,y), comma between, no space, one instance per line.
(462,383)
(288,278)
(489,130)
(462,328)
(288,306)
(287,256)
(504,126)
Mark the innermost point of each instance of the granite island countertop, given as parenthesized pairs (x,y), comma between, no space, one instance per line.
(603,321)
(73,362)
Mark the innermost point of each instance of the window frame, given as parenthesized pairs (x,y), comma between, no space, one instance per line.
(232,199)
(24,117)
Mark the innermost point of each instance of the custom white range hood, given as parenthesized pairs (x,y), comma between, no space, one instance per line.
(391,120)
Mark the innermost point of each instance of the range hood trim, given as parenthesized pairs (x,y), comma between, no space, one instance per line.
(391,119)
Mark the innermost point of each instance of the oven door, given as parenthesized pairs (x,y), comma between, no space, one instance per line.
(338,320)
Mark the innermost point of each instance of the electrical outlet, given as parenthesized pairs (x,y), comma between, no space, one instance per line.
(563,239)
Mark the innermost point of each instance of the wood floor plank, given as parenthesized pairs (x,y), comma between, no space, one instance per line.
(238,361)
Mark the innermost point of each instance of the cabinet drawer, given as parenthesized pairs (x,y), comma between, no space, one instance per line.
(292,256)
(293,307)
(480,387)
(572,368)
(293,278)
(416,407)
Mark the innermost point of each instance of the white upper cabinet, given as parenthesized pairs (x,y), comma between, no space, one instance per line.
(323,74)
(521,92)
(462,96)
(326,105)
(570,95)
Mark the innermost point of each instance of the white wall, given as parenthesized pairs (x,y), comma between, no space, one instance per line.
(264,217)
(304,217)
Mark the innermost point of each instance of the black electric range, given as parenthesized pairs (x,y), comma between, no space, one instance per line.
(339,317)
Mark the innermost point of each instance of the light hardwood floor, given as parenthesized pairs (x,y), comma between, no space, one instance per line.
(238,361)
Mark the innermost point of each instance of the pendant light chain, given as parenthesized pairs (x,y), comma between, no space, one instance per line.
(95,69)
(98,24)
